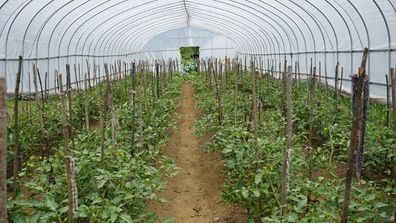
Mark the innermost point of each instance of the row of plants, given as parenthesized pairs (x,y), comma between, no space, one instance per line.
(253,169)
(114,178)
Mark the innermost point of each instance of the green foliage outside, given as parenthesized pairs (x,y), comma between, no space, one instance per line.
(190,59)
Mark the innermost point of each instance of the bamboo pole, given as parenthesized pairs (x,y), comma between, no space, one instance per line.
(46,90)
(392,73)
(71,182)
(142,106)
(133,110)
(39,107)
(89,75)
(75,76)
(309,149)
(86,104)
(157,74)
(111,106)
(320,72)
(16,162)
(299,73)
(3,151)
(236,95)
(218,99)
(79,74)
(282,76)
(289,150)
(336,95)
(254,110)
(357,107)
(393,84)
(341,80)
(69,100)
(387,100)
(360,149)
(311,99)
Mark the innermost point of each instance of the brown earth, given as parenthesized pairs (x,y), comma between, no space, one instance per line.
(193,195)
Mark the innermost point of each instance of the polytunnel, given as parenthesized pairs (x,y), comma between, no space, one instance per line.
(296,97)
(54,33)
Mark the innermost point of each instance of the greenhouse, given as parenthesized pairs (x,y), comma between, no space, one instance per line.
(197,111)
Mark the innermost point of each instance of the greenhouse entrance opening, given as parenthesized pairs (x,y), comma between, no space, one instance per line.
(189,59)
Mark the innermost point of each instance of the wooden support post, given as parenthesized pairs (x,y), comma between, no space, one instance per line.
(320,72)
(311,103)
(3,151)
(236,95)
(341,80)
(392,73)
(387,100)
(280,74)
(357,111)
(336,93)
(16,162)
(393,83)
(69,100)
(157,74)
(76,77)
(79,74)
(86,104)
(254,110)
(111,106)
(39,107)
(289,150)
(283,78)
(71,182)
(133,110)
(46,90)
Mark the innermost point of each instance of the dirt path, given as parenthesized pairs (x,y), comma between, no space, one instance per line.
(194,194)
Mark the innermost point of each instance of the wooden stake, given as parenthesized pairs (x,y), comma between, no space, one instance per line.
(75,76)
(86,104)
(89,75)
(157,74)
(254,110)
(236,95)
(311,107)
(39,107)
(393,83)
(289,150)
(299,73)
(16,162)
(133,95)
(72,189)
(111,106)
(387,100)
(3,151)
(337,97)
(282,76)
(357,107)
(46,91)
(311,99)
(69,100)
(320,72)
(79,74)
(392,73)
(341,80)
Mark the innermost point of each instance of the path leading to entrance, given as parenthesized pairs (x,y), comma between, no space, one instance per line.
(194,194)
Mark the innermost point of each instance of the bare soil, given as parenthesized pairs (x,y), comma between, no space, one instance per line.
(193,195)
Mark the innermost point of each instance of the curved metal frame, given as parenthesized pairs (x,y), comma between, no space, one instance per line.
(267,30)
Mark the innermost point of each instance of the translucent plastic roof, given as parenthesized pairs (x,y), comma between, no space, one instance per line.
(325,30)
